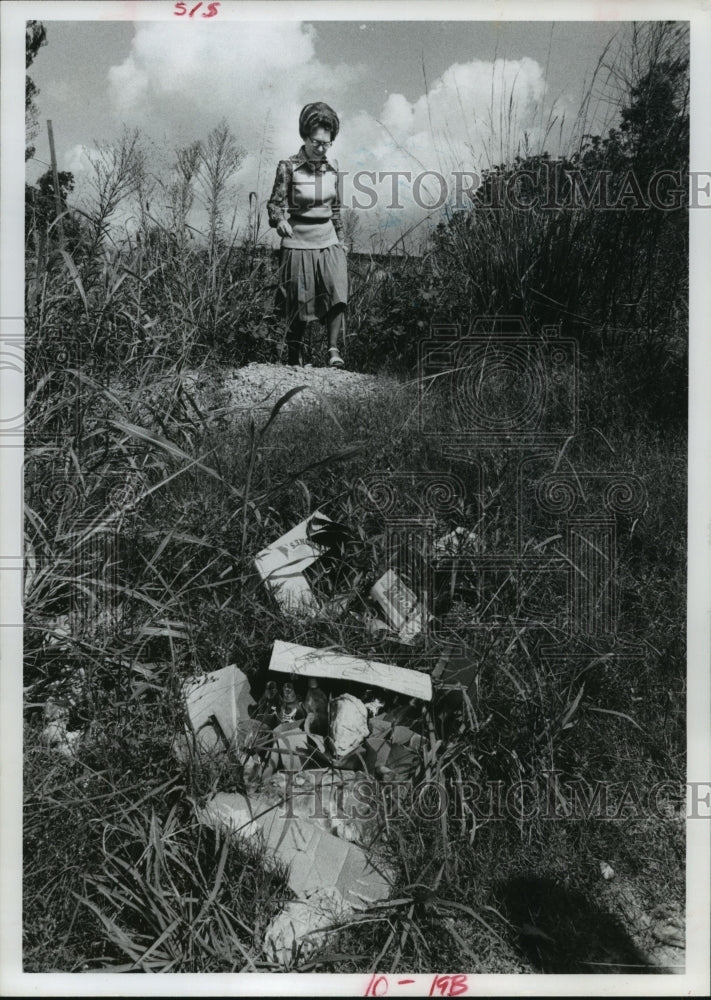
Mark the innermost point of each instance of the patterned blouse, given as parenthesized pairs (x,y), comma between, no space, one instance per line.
(308,196)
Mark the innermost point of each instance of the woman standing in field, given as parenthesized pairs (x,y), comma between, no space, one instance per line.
(305,210)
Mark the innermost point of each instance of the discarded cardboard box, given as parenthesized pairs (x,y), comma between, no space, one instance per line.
(281,566)
(457,667)
(331,874)
(218,708)
(456,674)
(399,604)
(343,802)
(304,661)
(391,751)
(293,748)
(319,861)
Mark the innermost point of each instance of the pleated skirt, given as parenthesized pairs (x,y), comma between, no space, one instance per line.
(311,282)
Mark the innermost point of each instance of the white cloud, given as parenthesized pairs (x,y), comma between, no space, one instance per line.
(179,80)
(473,115)
(188,77)
(79,159)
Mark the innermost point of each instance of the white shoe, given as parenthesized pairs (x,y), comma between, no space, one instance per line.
(335,360)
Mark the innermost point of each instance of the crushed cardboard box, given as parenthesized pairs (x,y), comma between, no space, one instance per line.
(293,748)
(392,751)
(456,675)
(305,661)
(330,875)
(319,860)
(281,566)
(342,802)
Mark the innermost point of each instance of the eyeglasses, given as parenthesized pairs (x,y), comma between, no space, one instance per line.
(321,145)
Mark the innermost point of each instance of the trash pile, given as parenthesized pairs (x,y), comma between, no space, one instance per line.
(312,755)
(316,737)
(62,698)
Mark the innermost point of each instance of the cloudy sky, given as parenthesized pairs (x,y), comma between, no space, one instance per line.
(411,95)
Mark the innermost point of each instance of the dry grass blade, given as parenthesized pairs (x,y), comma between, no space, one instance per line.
(141,962)
(612,711)
(149,437)
(452,905)
(281,402)
(116,934)
(342,455)
(76,278)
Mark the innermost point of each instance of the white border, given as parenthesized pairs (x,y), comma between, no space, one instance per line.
(696,980)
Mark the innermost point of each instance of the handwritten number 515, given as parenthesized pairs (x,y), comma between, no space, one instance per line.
(182,8)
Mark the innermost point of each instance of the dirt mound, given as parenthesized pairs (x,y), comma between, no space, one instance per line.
(257,387)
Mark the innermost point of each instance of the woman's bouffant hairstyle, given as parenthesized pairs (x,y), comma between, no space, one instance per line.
(318,115)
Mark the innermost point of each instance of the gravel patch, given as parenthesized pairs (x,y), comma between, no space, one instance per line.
(257,387)
(233,394)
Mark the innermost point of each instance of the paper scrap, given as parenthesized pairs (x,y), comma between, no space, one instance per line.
(304,661)
(281,566)
(348,725)
(400,605)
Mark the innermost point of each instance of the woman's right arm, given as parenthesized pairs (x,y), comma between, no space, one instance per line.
(277,204)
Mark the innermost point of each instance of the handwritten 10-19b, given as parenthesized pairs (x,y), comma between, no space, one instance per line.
(443,986)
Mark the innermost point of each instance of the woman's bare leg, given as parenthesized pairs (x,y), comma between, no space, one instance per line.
(334,323)
(295,341)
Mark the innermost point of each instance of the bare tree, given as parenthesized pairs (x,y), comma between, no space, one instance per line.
(220,158)
(181,190)
(118,171)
